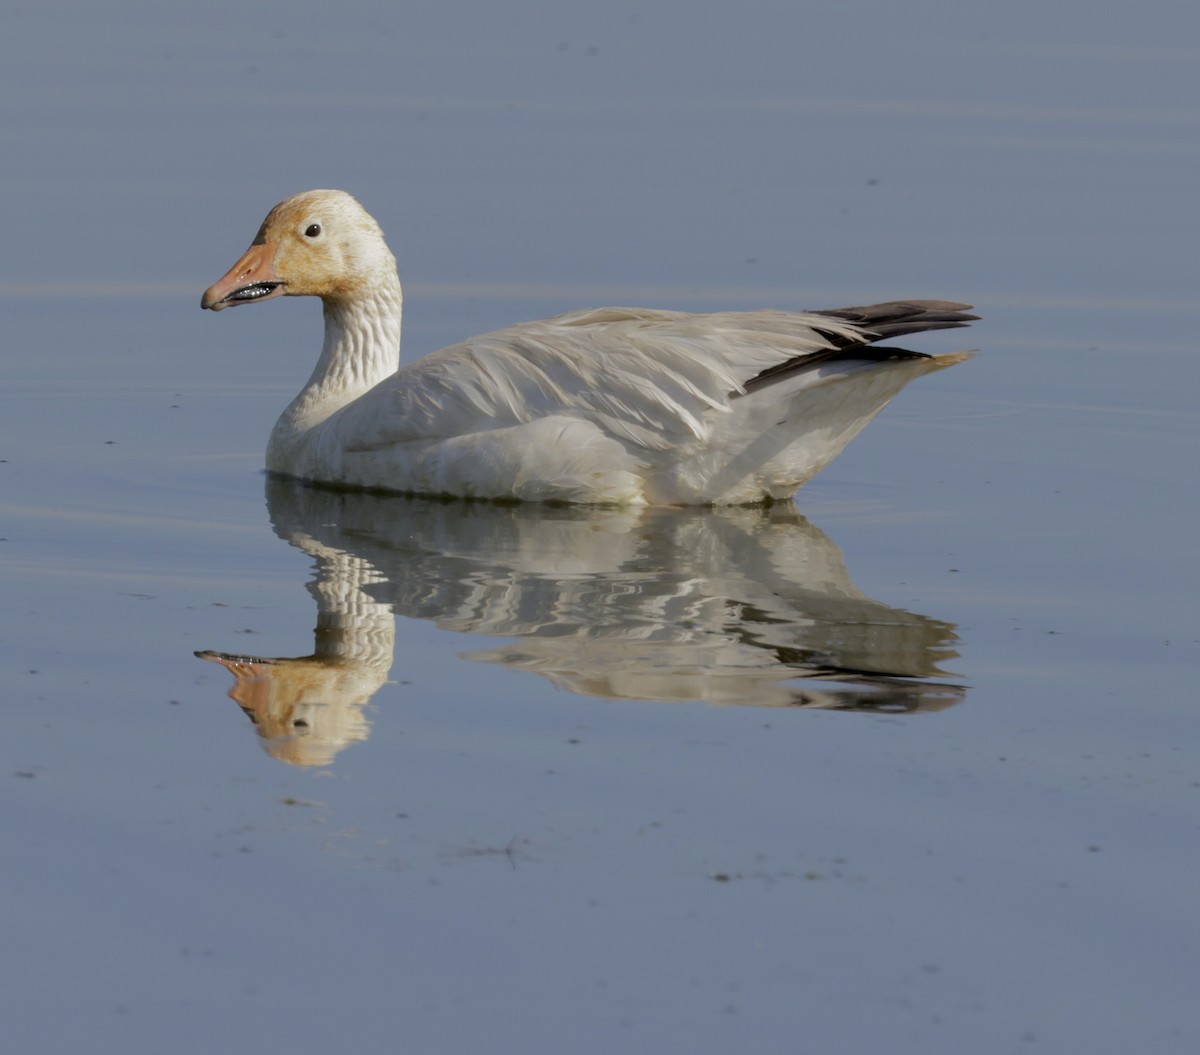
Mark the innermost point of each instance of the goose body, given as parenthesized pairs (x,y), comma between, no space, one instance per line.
(612,405)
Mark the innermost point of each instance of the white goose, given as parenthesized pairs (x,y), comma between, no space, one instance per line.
(613,405)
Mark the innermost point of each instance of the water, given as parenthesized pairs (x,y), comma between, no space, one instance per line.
(910,766)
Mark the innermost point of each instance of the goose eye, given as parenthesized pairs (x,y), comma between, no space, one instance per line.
(312,230)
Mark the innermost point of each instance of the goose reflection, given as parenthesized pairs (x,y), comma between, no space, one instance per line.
(748,606)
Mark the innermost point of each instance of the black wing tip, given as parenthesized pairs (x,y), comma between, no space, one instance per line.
(894,318)
(871,353)
(898,309)
(872,322)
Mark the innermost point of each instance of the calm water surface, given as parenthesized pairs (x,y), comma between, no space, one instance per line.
(911,766)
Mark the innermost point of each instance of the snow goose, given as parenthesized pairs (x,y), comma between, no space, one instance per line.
(611,405)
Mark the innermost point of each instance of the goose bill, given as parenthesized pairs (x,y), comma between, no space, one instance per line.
(251,279)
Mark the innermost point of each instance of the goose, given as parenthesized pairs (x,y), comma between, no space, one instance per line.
(612,406)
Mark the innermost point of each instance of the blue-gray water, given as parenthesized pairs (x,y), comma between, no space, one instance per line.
(526,832)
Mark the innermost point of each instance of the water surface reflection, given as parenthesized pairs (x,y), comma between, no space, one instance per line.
(731,606)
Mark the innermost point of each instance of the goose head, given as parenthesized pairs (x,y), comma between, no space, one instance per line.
(321,243)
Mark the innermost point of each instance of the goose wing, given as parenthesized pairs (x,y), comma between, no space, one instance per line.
(650,379)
